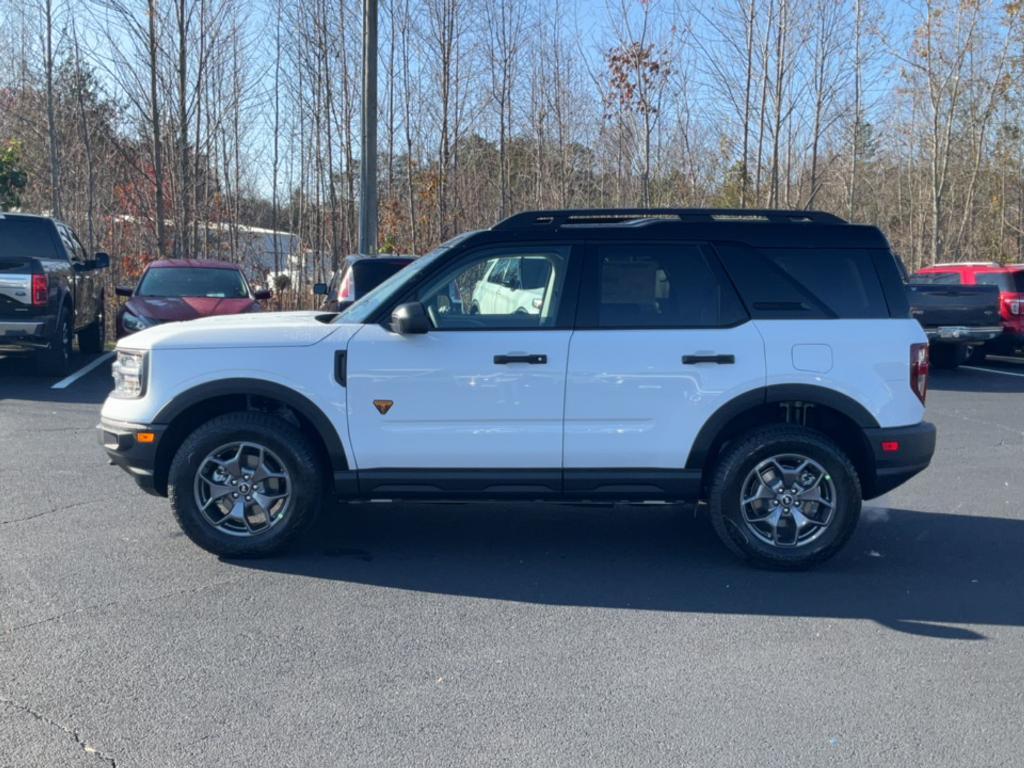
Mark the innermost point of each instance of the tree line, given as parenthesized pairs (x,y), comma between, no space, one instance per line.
(166,127)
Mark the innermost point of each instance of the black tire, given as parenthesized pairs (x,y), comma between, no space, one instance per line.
(741,458)
(948,356)
(977,355)
(93,339)
(298,457)
(56,361)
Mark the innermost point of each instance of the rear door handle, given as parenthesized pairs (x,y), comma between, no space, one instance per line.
(717,359)
(528,359)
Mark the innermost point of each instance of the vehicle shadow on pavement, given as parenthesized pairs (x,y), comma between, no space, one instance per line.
(914,572)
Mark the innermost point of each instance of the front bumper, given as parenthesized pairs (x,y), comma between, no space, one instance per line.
(119,440)
(961,334)
(20,335)
(899,453)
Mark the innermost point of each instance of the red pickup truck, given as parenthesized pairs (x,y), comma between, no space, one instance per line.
(1010,281)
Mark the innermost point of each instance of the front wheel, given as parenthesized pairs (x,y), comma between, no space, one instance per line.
(93,339)
(784,497)
(244,484)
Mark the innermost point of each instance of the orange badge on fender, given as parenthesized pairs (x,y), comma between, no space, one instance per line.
(383,406)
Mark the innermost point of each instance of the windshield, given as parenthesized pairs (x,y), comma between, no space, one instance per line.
(177,282)
(369,303)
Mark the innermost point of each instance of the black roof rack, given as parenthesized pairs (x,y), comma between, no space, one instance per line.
(638,216)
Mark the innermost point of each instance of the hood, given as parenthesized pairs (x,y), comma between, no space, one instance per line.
(171,309)
(255,329)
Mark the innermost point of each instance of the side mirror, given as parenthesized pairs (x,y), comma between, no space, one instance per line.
(124,290)
(263,294)
(409,319)
(101,260)
(319,289)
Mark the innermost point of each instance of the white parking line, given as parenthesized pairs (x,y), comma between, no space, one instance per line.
(991,370)
(65,383)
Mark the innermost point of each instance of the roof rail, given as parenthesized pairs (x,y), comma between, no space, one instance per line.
(966,264)
(622,216)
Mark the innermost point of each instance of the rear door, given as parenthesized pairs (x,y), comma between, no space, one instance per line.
(661,342)
(81,278)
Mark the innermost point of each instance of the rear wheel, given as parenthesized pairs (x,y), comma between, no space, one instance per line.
(94,338)
(784,497)
(56,361)
(244,484)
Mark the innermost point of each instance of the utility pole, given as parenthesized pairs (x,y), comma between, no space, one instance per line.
(368,143)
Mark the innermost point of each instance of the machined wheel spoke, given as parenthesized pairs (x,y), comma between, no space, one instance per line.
(816,498)
(217,492)
(763,493)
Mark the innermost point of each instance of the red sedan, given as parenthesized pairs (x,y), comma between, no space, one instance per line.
(184,289)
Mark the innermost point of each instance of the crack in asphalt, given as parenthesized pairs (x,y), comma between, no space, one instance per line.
(112,603)
(70,731)
(59,508)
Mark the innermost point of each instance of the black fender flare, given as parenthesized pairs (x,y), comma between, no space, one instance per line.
(777,393)
(261,388)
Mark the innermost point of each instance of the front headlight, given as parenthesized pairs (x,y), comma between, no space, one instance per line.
(129,371)
(135,322)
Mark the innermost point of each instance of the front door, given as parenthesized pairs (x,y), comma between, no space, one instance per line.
(483,390)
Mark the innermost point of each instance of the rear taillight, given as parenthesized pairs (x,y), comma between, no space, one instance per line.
(40,290)
(1014,303)
(345,290)
(919,366)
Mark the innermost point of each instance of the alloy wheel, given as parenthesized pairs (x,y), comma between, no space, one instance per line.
(242,489)
(788,500)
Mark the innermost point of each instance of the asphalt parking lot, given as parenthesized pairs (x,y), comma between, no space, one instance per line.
(508,634)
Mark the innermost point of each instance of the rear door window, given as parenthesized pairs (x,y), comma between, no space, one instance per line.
(658,285)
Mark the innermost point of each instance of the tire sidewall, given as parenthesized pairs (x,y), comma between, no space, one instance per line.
(290,446)
(726,505)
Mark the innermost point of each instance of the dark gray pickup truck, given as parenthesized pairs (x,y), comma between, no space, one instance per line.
(957,318)
(50,289)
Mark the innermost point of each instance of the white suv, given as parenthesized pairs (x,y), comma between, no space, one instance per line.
(762,361)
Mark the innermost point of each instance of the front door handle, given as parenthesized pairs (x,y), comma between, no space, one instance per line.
(528,359)
(717,359)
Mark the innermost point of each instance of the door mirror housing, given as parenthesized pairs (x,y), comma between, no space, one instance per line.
(319,289)
(263,294)
(101,260)
(410,318)
(124,290)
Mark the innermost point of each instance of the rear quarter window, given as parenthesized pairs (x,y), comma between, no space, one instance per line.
(843,279)
(1008,282)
